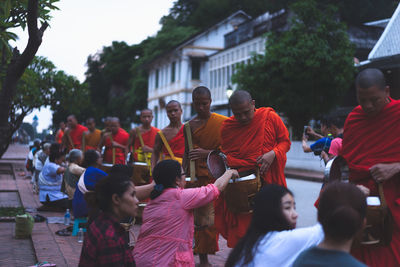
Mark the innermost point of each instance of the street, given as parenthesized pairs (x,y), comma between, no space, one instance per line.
(305,194)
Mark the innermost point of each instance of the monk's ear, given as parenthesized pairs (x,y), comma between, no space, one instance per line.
(387,90)
(253,103)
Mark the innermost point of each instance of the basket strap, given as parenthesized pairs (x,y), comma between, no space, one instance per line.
(190,144)
(139,134)
(382,195)
(165,142)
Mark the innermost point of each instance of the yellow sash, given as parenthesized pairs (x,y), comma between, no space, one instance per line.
(165,142)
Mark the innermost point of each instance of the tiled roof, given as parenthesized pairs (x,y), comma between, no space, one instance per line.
(389,43)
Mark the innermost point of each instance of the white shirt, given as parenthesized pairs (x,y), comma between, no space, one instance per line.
(282,248)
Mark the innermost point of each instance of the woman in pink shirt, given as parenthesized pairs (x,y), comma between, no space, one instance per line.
(166,235)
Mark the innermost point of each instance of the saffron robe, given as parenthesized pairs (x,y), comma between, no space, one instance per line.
(243,144)
(92,140)
(76,136)
(207,137)
(177,144)
(148,139)
(368,141)
(121,137)
(59,136)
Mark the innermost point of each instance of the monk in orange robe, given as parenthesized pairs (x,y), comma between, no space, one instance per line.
(73,134)
(115,142)
(148,134)
(93,136)
(371,147)
(252,138)
(205,130)
(60,133)
(172,134)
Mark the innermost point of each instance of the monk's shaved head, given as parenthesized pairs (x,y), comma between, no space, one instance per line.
(114,119)
(174,102)
(239,97)
(201,91)
(369,78)
(146,110)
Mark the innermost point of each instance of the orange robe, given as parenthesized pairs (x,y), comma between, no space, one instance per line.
(177,144)
(148,139)
(243,144)
(120,137)
(207,137)
(92,140)
(76,136)
(59,136)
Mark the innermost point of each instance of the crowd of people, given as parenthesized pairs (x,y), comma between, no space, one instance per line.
(187,208)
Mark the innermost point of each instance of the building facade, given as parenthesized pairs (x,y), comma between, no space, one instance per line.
(174,75)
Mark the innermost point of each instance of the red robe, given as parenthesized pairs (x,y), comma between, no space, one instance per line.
(366,142)
(120,137)
(148,139)
(243,144)
(177,144)
(76,135)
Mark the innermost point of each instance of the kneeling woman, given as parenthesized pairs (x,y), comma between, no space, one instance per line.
(166,234)
(106,242)
(272,239)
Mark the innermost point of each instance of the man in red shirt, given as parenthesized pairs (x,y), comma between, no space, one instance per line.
(73,134)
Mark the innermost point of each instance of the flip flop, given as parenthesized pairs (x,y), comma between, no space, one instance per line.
(63,232)
(39,218)
(44,264)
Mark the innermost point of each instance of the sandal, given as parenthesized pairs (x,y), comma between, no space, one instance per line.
(63,232)
(44,264)
(39,218)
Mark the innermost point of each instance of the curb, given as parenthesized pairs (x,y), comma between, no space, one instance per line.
(311,176)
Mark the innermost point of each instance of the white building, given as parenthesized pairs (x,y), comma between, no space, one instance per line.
(240,46)
(174,75)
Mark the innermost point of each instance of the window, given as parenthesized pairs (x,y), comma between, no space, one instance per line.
(157,77)
(228,70)
(219,77)
(173,68)
(195,69)
(156,116)
(215,78)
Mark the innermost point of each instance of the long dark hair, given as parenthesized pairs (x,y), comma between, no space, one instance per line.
(165,174)
(107,187)
(341,210)
(55,152)
(267,217)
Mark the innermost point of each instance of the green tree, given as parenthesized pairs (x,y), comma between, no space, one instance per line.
(306,69)
(15,14)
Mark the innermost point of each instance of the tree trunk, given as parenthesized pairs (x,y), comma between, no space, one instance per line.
(15,69)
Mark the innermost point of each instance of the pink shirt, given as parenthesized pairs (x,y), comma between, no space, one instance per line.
(166,235)
(336,146)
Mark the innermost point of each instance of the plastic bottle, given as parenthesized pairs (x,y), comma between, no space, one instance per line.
(67,218)
(80,235)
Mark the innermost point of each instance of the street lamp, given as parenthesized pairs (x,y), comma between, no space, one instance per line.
(229,92)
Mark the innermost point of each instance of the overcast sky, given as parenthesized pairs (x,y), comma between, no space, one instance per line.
(81,28)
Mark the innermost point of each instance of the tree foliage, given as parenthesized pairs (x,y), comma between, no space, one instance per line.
(306,69)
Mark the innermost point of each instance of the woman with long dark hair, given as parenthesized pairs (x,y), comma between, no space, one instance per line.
(106,241)
(166,235)
(341,212)
(272,239)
